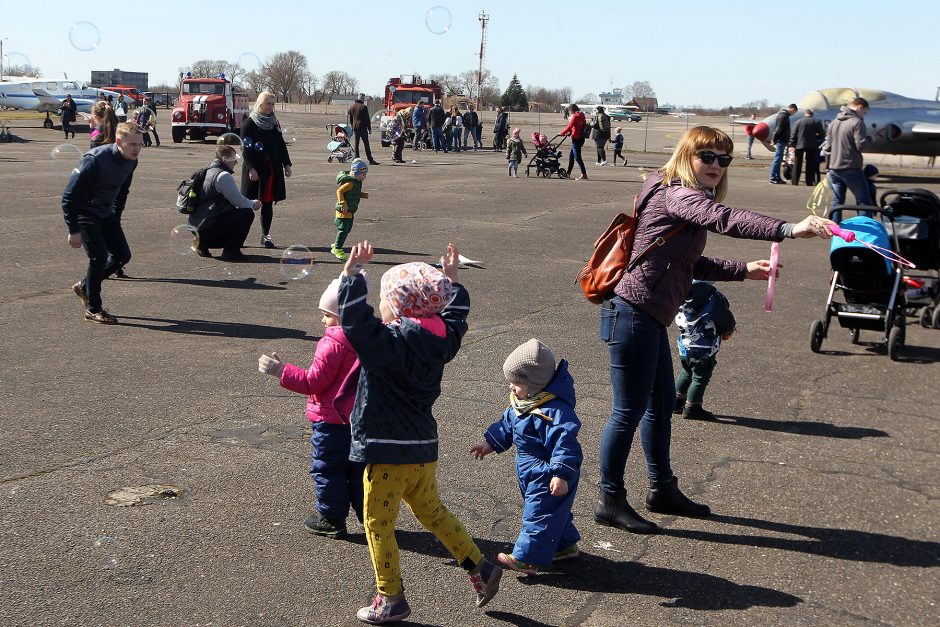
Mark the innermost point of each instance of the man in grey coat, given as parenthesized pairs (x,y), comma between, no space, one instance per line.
(845,141)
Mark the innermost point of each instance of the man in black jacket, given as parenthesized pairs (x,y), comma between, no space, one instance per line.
(780,140)
(436,118)
(807,133)
(358,117)
(470,122)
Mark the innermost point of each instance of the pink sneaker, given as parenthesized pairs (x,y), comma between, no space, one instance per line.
(384,611)
(510,562)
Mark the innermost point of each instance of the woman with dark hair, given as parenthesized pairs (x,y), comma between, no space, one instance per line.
(266,161)
(103,124)
(677,207)
(577,128)
(68,109)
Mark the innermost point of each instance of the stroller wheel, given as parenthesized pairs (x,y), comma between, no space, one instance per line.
(925,318)
(853,336)
(562,173)
(329,159)
(936,318)
(816,335)
(527,172)
(895,342)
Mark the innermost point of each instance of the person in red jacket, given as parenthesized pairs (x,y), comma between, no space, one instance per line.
(578,129)
(688,190)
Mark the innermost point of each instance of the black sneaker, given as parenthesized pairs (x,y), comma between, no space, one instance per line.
(696,412)
(320,526)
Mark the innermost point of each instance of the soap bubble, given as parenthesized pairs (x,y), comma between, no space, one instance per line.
(106,552)
(84,36)
(16,60)
(248,142)
(290,316)
(227,272)
(229,139)
(184,239)
(288,134)
(65,158)
(296,262)
(438,19)
(258,146)
(249,61)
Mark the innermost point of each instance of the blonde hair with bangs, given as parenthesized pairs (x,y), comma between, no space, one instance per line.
(260,100)
(697,138)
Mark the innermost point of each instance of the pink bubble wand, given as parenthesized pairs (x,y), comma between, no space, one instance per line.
(772,277)
(888,254)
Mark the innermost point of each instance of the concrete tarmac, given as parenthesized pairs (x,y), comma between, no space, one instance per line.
(822,470)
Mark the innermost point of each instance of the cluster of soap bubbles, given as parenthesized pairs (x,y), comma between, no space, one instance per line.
(65,158)
(438,19)
(184,239)
(84,36)
(248,142)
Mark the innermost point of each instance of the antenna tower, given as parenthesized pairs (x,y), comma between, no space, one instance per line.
(484,20)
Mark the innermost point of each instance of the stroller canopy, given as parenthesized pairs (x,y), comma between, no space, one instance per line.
(866,230)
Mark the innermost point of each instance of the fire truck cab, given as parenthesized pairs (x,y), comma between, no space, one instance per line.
(207,106)
(406,91)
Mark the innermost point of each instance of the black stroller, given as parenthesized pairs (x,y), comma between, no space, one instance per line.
(916,224)
(547,159)
(872,286)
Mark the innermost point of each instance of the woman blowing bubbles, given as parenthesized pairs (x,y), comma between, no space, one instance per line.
(687,192)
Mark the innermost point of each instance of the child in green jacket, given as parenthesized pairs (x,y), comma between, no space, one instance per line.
(515,150)
(348,195)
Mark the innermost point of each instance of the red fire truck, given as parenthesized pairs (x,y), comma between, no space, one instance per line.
(207,106)
(406,91)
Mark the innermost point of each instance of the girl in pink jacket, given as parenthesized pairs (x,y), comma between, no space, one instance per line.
(330,385)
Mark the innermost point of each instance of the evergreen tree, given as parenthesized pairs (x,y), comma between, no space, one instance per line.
(514,97)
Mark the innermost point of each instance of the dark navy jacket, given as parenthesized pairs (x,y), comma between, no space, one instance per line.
(546,438)
(402,367)
(99,186)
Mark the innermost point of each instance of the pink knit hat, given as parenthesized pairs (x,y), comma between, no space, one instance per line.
(416,290)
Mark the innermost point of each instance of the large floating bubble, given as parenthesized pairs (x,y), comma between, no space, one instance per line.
(184,239)
(288,134)
(16,60)
(296,262)
(438,19)
(249,62)
(84,36)
(229,139)
(65,158)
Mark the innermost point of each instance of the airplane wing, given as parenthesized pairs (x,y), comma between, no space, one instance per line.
(47,99)
(926,128)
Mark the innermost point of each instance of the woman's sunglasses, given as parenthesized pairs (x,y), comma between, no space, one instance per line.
(708,158)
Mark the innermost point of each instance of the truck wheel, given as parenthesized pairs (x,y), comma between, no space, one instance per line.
(179,134)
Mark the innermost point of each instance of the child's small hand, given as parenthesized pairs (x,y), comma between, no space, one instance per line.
(271,365)
(359,256)
(450,262)
(558,487)
(479,451)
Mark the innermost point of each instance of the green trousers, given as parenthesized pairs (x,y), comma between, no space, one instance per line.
(343,227)
(694,377)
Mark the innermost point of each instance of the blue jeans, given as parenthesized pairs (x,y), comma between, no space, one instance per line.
(750,142)
(478,137)
(575,155)
(338,481)
(779,149)
(643,391)
(107,250)
(468,134)
(852,179)
(457,131)
(437,139)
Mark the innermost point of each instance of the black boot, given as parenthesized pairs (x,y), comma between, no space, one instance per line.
(318,525)
(613,510)
(680,405)
(694,411)
(666,498)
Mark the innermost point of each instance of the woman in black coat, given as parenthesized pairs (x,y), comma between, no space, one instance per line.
(266,162)
(68,109)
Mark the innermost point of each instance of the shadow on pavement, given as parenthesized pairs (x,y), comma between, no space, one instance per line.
(249,283)
(215,328)
(800,427)
(845,544)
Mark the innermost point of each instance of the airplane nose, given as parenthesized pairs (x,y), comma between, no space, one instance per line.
(761,131)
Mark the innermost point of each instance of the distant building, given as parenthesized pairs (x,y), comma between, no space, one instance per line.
(103,78)
(614,97)
(645,104)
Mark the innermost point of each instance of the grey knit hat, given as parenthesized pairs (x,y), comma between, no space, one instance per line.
(531,364)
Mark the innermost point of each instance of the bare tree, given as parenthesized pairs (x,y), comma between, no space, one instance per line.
(337,82)
(639,89)
(588,98)
(308,85)
(210,68)
(450,83)
(21,70)
(548,98)
(284,72)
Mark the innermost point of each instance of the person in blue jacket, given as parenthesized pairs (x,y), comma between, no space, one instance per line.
(424,318)
(540,421)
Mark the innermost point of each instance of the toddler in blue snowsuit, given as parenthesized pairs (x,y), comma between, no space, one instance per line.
(541,423)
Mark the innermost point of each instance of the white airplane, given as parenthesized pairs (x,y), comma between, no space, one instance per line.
(46,95)
(899,125)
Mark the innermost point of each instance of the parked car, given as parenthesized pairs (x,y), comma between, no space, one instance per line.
(624,114)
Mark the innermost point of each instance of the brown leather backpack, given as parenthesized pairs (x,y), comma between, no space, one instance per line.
(611,256)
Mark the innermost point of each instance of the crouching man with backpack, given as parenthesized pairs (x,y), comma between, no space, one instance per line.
(223,215)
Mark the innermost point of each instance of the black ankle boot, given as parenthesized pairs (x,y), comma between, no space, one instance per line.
(613,510)
(666,498)
(694,411)
(680,405)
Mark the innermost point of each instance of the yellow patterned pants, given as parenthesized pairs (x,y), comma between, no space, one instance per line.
(386,485)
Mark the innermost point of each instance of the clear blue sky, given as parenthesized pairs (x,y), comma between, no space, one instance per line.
(692,52)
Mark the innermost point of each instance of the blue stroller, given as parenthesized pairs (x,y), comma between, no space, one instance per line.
(340,147)
(870,284)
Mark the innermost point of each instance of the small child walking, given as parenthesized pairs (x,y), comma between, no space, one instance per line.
(540,421)
(515,150)
(330,385)
(618,145)
(403,354)
(348,195)
(703,321)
